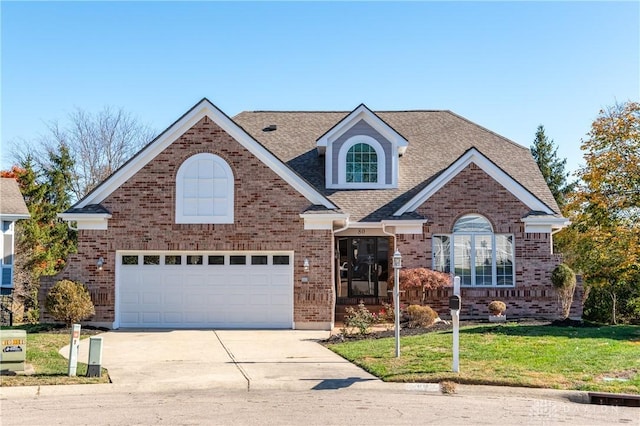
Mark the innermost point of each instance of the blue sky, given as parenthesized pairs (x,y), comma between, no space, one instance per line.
(508,66)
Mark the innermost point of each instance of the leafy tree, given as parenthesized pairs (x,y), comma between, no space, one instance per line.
(545,153)
(98,144)
(69,301)
(43,241)
(605,208)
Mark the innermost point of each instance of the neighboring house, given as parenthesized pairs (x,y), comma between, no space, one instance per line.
(279,219)
(12,209)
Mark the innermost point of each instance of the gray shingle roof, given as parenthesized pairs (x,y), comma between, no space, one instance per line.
(11,200)
(436,140)
(89,209)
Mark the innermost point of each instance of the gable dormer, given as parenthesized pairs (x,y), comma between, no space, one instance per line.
(361,152)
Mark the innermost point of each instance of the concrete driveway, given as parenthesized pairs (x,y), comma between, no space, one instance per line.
(233,359)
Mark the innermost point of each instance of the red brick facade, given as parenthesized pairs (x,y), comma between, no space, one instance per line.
(267,218)
(473,191)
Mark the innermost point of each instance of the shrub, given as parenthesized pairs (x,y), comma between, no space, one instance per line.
(421,278)
(387,313)
(564,281)
(359,318)
(421,316)
(497,307)
(32,316)
(69,301)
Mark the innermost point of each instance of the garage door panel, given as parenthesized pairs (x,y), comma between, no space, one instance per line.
(151,298)
(151,318)
(280,299)
(172,318)
(184,295)
(130,298)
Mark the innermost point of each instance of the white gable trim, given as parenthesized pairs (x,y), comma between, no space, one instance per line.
(13,217)
(94,221)
(325,221)
(363,113)
(476,157)
(177,129)
(544,224)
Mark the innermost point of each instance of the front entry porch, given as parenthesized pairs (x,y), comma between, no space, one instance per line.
(362,272)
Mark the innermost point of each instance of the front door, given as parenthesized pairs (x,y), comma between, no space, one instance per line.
(364,266)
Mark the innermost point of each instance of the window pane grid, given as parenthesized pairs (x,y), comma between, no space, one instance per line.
(480,258)
(362,164)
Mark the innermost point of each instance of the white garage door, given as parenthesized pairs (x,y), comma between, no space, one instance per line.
(204,290)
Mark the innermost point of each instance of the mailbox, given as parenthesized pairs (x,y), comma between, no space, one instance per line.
(454,302)
(13,350)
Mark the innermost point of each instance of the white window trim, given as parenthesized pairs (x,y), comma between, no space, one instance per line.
(472,263)
(342,164)
(228,217)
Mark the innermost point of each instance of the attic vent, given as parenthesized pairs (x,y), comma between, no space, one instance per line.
(270,128)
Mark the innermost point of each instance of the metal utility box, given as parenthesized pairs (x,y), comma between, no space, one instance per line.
(13,350)
(94,368)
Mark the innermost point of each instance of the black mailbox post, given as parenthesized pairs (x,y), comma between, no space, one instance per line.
(454,302)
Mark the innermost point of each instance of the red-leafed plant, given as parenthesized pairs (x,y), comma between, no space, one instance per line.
(423,279)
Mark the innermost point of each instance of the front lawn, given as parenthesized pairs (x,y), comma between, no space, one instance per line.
(604,359)
(43,343)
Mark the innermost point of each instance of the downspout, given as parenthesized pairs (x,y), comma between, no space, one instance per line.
(384,231)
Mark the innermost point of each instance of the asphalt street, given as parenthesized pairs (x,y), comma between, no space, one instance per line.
(408,406)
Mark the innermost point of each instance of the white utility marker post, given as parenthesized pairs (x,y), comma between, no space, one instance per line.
(397,264)
(73,349)
(454,304)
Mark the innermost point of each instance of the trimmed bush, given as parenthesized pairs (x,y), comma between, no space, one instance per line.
(564,281)
(497,307)
(421,316)
(69,301)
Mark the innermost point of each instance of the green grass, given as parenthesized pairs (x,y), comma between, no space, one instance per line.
(43,343)
(510,355)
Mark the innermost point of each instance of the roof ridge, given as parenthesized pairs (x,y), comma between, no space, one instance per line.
(481,127)
(345,112)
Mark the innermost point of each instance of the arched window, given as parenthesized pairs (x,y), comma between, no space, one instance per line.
(204,190)
(362,161)
(480,257)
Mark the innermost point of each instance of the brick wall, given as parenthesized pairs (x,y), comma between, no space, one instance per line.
(473,191)
(266,218)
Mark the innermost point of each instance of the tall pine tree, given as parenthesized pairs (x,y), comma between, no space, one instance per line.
(553,169)
(43,241)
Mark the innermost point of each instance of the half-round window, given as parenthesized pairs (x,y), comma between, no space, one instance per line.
(472,223)
(362,164)
(204,190)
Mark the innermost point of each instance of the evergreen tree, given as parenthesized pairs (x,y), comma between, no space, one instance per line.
(43,241)
(545,153)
